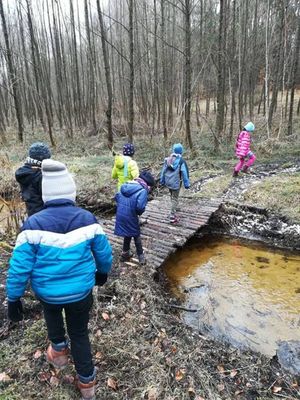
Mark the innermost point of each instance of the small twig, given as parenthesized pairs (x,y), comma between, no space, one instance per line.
(183,308)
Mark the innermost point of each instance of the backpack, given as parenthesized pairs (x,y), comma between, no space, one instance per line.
(173,176)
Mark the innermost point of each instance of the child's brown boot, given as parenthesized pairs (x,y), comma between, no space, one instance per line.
(58,359)
(87,390)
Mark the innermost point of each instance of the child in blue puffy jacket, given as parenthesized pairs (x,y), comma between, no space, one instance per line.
(131,202)
(63,252)
(174,171)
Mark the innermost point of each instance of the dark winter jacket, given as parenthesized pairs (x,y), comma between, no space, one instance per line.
(30,179)
(131,202)
(58,251)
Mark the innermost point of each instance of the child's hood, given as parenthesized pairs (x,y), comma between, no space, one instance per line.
(130,188)
(120,160)
(25,174)
(173,160)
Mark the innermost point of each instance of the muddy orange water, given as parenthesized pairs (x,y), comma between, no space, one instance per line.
(244,293)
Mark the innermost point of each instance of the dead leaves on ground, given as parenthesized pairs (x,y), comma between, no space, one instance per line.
(4,377)
(112,383)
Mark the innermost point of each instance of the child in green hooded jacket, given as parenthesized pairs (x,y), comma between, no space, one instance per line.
(125,168)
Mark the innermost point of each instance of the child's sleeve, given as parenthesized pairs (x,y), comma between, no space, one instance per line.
(102,251)
(141,201)
(20,267)
(134,169)
(114,173)
(185,175)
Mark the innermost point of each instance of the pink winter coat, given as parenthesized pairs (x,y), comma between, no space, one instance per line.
(242,146)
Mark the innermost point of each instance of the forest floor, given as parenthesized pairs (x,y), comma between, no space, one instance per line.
(140,345)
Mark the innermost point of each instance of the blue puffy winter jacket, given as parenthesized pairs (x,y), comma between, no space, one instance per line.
(131,202)
(58,251)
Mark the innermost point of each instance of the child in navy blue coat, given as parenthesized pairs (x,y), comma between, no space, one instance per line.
(131,202)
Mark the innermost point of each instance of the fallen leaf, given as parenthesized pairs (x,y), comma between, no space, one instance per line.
(143,305)
(68,379)
(180,374)
(54,381)
(199,398)
(98,333)
(220,387)
(221,369)
(191,392)
(152,394)
(112,383)
(105,316)
(174,349)
(99,355)
(233,373)
(248,385)
(276,389)
(237,392)
(4,377)
(37,354)
(44,376)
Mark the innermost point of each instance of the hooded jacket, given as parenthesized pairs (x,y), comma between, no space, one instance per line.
(242,146)
(29,178)
(125,169)
(58,251)
(131,202)
(174,171)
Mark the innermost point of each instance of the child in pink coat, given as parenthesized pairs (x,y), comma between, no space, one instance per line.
(242,150)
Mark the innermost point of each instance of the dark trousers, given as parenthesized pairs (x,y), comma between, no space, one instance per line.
(137,242)
(77,318)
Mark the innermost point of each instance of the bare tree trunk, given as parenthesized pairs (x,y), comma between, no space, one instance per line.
(221,78)
(107,77)
(13,79)
(294,74)
(188,73)
(164,78)
(131,75)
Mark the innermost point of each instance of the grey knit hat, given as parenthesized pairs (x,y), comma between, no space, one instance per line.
(39,151)
(57,183)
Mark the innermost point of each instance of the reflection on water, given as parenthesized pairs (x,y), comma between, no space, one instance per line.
(244,293)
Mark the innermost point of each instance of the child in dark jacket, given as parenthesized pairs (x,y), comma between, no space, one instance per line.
(63,252)
(174,171)
(29,177)
(131,202)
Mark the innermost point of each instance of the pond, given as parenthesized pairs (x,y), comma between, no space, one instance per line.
(238,291)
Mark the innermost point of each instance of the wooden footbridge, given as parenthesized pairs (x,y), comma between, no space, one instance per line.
(161,238)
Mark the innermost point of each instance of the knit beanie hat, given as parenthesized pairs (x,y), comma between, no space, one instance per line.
(128,149)
(57,183)
(177,148)
(249,127)
(148,178)
(39,151)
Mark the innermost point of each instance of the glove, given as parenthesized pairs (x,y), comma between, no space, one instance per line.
(15,311)
(100,279)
